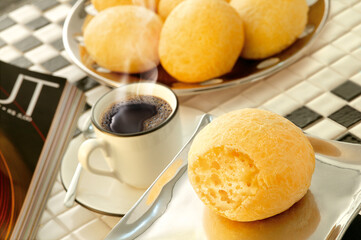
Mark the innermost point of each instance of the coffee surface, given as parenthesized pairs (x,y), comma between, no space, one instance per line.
(136,114)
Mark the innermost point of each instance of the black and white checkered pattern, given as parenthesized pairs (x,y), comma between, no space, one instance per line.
(31,37)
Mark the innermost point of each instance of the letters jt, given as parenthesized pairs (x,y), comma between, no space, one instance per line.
(34,99)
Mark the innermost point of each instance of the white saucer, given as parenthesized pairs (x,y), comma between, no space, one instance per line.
(105,194)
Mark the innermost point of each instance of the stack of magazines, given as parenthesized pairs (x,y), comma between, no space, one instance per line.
(38,115)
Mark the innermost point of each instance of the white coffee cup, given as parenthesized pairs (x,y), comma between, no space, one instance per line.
(137,158)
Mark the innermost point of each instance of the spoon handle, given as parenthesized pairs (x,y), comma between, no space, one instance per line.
(70,194)
(341,152)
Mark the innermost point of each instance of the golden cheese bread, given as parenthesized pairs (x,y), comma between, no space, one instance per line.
(166,6)
(250,164)
(270,26)
(124,39)
(101,5)
(200,40)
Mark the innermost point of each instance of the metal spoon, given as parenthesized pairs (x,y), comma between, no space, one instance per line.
(88,132)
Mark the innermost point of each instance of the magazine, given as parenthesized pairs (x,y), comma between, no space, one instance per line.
(38,115)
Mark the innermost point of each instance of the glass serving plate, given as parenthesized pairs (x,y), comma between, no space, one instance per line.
(170,209)
(244,71)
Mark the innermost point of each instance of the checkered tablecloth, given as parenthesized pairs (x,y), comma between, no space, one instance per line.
(321,93)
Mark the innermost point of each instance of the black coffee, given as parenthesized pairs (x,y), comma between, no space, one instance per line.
(136,114)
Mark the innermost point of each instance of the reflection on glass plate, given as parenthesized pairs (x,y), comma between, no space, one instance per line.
(301,220)
(244,70)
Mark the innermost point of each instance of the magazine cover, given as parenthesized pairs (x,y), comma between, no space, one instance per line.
(28,105)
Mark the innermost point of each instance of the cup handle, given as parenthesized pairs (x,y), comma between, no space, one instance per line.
(86,149)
